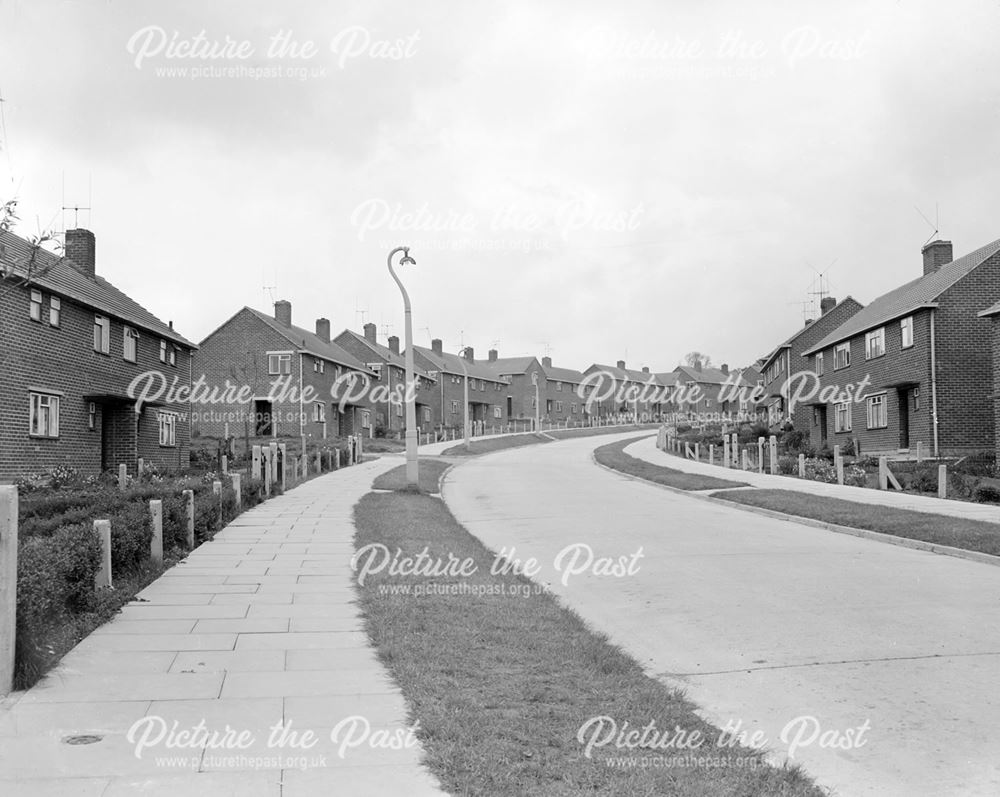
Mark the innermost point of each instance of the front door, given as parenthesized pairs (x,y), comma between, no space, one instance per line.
(262,415)
(821,421)
(904,418)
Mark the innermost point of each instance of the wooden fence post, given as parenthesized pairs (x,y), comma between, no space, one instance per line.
(156,544)
(102,528)
(773,454)
(8,585)
(238,489)
(942,481)
(122,477)
(266,467)
(189,511)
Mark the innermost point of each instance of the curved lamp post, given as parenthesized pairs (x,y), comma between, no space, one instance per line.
(465,373)
(538,403)
(412,473)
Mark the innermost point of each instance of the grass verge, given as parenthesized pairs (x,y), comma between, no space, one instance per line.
(613,456)
(429,474)
(501,679)
(596,431)
(494,444)
(969,535)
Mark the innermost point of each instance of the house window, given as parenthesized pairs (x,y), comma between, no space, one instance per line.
(533,403)
(44,415)
(92,416)
(55,306)
(842,356)
(377,368)
(558,387)
(366,419)
(173,355)
(819,364)
(130,339)
(875,343)
(906,331)
(163,351)
(842,417)
(319,413)
(497,412)
(318,366)
(168,429)
(102,334)
(454,407)
(427,414)
(278,364)
(399,410)
(36,305)
(876,412)
(916,398)
(559,406)
(572,409)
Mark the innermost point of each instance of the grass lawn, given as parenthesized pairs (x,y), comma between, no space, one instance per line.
(429,474)
(970,535)
(614,456)
(594,431)
(501,683)
(494,444)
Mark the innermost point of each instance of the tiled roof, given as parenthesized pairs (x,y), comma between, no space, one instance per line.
(557,374)
(385,353)
(59,276)
(706,376)
(802,330)
(510,365)
(902,301)
(994,310)
(452,364)
(311,343)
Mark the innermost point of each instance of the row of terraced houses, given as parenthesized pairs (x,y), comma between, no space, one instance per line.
(74,346)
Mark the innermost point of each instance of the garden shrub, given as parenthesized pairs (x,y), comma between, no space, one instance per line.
(788,465)
(986,494)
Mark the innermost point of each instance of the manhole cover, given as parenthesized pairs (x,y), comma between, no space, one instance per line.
(84,738)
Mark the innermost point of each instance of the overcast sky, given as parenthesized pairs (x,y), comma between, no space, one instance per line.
(628,180)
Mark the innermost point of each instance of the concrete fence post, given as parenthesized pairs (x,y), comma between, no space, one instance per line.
(883,473)
(156,544)
(319,462)
(102,578)
(238,489)
(746,459)
(140,466)
(225,464)
(920,452)
(255,468)
(217,490)
(711,455)
(283,448)
(760,454)
(838,464)
(189,511)
(305,466)
(773,454)
(697,451)
(122,477)
(802,466)
(266,467)
(725,451)
(8,585)
(942,481)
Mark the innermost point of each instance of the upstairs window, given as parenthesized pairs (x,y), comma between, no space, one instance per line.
(278,364)
(173,355)
(35,310)
(102,334)
(875,343)
(318,366)
(55,310)
(377,368)
(558,387)
(163,351)
(130,342)
(842,356)
(819,364)
(906,331)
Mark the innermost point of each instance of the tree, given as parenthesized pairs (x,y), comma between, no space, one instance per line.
(696,356)
(30,268)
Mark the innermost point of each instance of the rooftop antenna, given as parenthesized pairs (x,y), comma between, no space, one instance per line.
(269,291)
(807,303)
(427,330)
(936,224)
(3,139)
(359,312)
(76,208)
(386,328)
(822,277)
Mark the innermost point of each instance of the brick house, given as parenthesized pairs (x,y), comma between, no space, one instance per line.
(388,405)
(787,360)
(487,390)
(566,395)
(919,357)
(993,313)
(72,346)
(294,382)
(718,391)
(621,391)
(519,375)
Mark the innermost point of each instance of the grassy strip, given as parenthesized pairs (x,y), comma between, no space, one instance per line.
(494,444)
(501,683)
(596,431)
(429,474)
(613,456)
(970,535)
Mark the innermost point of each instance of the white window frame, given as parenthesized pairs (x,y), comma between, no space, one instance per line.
(842,356)
(167,422)
(173,355)
(366,419)
(877,406)
(103,324)
(497,412)
(875,340)
(454,407)
(558,387)
(43,414)
(130,339)
(163,351)
(819,364)
(92,415)
(319,412)
(842,424)
(427,414)
(906,332)
(318,366)
(35,305)
(55,311)
(377,368)
(278,360)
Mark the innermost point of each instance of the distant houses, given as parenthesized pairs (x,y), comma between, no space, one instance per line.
(487,390)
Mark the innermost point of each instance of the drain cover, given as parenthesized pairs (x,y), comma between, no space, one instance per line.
(84,738)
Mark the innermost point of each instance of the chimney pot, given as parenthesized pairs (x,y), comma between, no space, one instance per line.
(323,329)
(283,312)
(370,332)
(394,344)
(936,254)
(436,346)
(493,355)
(470,354)
(81,248)
(547,362)
(621,364)
(645,369)
(725,369)
(826,304)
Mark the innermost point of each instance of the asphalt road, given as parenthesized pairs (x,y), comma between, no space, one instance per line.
(769,626)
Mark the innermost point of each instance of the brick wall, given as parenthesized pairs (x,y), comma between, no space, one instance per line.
(995,329)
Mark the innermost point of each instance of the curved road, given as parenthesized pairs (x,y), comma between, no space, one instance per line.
(765,622)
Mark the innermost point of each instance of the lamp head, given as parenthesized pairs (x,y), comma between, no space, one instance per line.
(406,257)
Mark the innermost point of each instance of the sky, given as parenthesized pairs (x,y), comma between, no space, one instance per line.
(592,181)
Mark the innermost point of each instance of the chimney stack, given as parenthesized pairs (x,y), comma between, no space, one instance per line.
(546,362)
(493,355)
(370,332)
(621,364)
(283,312)
(725,369)
(826,304)
(323,329)
(697,365)
(470,354)
(394,344)
(81,248)
(936,254)
(645,369)
(436,346)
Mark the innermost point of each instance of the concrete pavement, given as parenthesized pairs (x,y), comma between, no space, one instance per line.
(255,628)
(767,623)
(646,449)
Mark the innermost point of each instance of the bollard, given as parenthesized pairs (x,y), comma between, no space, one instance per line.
(8,585)
(283,448)
(773,454)
(122,477)
(238,489)
(942,481)
(760,454)
(217,490)
(102,578)
(189,511)
(225,464)
(156,544)
(802,466)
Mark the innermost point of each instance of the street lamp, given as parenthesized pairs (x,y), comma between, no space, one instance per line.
(465,373)
(412,473)
(538,403)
